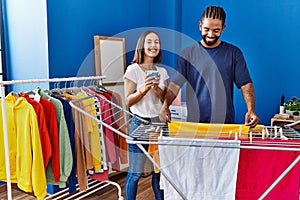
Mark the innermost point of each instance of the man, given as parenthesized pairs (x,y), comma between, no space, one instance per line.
(211,68)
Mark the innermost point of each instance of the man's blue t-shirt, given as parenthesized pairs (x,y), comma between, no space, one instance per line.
(210,74)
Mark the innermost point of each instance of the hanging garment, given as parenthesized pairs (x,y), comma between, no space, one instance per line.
(93,131)
(26,161)
(72,181)
(43,130)
(65,151)
(120,119)
(106,116)
(83,129)
(91,106)
(199,171)
(258,169)
(82,145)
(203,130)
(51,121)
(92,134)
(100,177)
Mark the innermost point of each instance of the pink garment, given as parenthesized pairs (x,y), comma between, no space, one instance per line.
(258,169)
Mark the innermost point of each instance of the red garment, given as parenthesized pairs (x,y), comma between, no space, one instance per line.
(110,119)
(100,177)
(258,169)
(44,134)
(52,125)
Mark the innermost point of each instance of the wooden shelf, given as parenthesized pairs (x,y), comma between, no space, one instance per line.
(281,122)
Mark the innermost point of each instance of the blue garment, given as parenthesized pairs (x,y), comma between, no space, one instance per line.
(71,128)
(210,74)
(137,161)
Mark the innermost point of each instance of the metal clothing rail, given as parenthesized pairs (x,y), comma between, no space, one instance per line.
(52,80)
(4,119)
(150,134)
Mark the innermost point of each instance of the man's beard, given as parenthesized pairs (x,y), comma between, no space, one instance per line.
(211,43)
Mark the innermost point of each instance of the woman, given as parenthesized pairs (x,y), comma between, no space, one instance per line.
(143,95)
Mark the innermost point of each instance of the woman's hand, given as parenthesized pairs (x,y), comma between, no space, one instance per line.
(156,81)
(153,82)
(149,82)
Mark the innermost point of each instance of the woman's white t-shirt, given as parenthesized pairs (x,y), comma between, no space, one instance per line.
(150,105)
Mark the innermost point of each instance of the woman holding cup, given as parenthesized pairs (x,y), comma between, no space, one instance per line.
(144,88)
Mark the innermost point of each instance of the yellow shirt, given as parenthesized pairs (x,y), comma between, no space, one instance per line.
(27,165)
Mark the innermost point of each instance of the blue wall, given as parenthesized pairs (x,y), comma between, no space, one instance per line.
(72,25)
(265,30)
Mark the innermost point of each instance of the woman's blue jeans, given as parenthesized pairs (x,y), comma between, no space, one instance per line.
(137,161)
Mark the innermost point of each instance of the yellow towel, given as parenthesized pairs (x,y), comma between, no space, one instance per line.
(191,129)
(203,130)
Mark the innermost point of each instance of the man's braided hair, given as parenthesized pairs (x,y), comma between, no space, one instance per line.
(214,12)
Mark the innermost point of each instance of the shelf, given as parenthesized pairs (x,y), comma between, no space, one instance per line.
(281,122)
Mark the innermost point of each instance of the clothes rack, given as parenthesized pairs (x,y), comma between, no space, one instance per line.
(152,133)
(3,84)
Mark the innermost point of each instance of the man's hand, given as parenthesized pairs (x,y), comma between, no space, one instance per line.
(251,119)
(171,93)
(164,114)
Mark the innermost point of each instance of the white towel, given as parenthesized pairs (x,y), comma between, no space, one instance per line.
(201,169)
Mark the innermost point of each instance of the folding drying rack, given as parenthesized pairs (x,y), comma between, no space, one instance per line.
(151,133)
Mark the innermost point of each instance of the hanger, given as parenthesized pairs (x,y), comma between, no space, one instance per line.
(97,87)
(30,93)
(57,90)
(73,89)
(33,94)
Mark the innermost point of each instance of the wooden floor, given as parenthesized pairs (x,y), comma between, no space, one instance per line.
(110,192)
(16,193)
(145,191)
